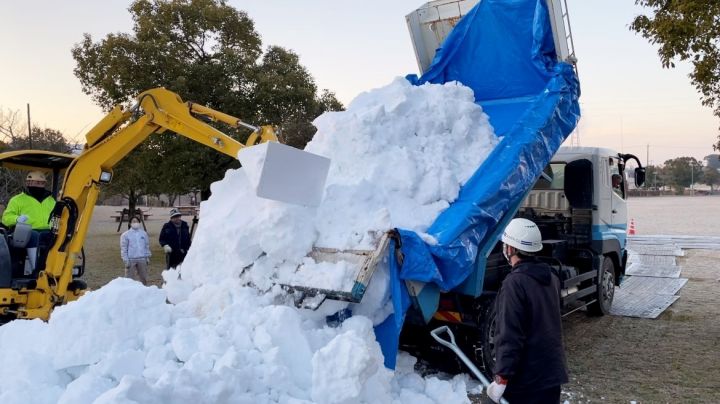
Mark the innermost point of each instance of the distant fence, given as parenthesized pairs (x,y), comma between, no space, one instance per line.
(657,192)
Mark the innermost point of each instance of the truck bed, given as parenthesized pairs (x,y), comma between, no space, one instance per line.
(506,54)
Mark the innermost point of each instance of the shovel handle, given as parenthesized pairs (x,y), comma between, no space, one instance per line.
(450,343)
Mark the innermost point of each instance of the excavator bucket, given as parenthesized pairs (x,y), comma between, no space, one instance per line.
(284,173)
(363,263)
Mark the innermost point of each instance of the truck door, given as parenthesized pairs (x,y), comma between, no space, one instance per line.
(604,192)
(618,186)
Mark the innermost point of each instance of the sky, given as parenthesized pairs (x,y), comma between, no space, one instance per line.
(629,103)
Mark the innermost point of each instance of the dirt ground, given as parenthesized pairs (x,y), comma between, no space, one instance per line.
(672,359)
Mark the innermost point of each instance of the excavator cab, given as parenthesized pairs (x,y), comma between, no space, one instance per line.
(13,254)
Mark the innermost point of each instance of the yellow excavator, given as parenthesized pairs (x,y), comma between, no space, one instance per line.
(57,280)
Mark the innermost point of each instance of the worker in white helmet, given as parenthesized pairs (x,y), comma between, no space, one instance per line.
(530,358)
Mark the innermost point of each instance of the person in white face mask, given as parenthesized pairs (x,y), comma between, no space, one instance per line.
(530,362)
(135,251)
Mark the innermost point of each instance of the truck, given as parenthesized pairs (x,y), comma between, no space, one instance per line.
(519,59)
(583,221)
(576,195)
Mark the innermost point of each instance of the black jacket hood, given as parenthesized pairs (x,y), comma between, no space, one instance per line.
(535,269)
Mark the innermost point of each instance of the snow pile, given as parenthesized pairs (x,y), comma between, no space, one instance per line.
(399,156)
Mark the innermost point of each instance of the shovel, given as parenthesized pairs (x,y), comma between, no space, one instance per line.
(453,346)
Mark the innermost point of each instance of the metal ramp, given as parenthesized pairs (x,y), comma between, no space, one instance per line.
(653,279)
(682,242)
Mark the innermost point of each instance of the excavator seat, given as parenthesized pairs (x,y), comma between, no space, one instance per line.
(13,254)
(21,236)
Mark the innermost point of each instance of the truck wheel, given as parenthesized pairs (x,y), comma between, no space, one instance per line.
(485,352)
(605,289)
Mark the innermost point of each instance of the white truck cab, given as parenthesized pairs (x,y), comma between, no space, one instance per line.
(587,186)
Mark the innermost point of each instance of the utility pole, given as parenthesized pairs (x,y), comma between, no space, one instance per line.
(692,179)
(647,160)
(655,180)
(29,127)
(622,141)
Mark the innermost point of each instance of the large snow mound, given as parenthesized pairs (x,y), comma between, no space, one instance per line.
(399,157)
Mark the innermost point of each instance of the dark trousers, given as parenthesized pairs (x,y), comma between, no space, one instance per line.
(547,396)
(41,239)
(175,258)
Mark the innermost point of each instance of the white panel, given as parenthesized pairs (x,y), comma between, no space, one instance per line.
(286,174)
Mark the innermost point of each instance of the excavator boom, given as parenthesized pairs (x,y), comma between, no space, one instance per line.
(108,142)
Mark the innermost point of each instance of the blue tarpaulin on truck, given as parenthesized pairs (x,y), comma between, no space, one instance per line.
(504,51)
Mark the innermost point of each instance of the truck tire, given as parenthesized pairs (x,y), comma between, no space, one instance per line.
(605,289)
(485,356)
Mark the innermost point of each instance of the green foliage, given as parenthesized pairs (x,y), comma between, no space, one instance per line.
(681,172)
(209,53)
(712,160)
(687,30)
(654,177)
(711,176)
(42,139)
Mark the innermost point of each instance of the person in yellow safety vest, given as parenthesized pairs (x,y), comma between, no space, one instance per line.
(32,206)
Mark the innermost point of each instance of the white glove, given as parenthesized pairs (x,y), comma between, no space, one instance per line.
(22,219)
(495,391)
(167,249)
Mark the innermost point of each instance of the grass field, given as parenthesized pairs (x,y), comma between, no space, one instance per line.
(102,246)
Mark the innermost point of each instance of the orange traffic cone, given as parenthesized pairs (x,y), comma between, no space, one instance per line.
(631,230)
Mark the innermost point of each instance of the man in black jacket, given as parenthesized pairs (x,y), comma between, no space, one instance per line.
(530,358)
(175,238)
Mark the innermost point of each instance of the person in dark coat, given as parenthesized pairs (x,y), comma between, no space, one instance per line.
(530,357)
(175,238)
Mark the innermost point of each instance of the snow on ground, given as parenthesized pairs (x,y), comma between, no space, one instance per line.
(399,156)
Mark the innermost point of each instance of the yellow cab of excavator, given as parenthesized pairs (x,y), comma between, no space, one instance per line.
(14,273)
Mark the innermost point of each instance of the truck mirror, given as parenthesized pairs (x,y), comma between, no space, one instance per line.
(639,176)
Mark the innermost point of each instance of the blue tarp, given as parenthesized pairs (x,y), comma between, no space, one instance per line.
(504,51)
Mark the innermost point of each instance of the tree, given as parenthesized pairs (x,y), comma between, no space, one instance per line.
(208,52)
(713,161)
(682,172)
(42,139)
(654,177)
(711,176)
(687,30)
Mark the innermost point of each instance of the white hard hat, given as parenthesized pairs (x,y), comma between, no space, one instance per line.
(36,176)
(523,234)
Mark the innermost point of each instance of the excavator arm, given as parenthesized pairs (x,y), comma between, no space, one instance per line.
(108,142)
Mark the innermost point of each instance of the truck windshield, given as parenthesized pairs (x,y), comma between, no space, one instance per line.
(557,172)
